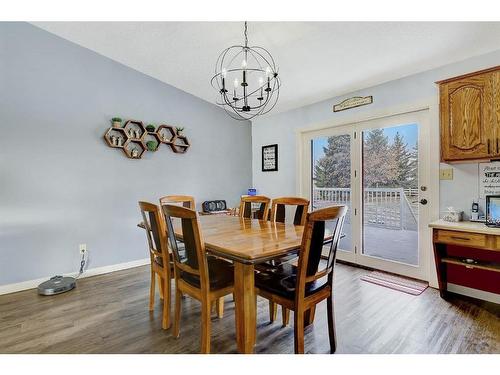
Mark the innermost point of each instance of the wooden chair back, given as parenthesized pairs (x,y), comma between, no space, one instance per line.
(278,209)
(184,200)
(154,226)
(312,246)
(194,262)
(246,206)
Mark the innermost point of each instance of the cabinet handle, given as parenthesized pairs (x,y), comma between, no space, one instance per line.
(460,238)
(497,145)
(488,146)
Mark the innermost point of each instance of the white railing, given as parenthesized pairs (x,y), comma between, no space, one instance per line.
(394,208)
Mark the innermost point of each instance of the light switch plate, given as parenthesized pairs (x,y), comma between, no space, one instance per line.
(446,174)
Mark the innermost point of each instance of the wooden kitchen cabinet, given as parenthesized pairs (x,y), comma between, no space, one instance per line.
(469,116)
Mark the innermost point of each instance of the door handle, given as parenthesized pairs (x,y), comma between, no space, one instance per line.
(489,147)
(423,201)
(497,145)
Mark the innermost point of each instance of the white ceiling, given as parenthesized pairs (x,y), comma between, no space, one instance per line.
(316,60)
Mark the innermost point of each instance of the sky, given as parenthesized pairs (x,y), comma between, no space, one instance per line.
(409,133)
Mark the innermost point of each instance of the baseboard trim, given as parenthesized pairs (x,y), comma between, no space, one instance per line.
(474,293)
(30,284)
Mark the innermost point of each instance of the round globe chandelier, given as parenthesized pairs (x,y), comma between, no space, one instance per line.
(246,79)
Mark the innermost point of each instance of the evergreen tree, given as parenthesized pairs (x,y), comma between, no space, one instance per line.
(413,167)
(378,161)
(402,160)
(334,168)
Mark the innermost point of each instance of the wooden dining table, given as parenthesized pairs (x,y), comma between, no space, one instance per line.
(246,242)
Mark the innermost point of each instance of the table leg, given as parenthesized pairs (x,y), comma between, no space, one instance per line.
(245,305)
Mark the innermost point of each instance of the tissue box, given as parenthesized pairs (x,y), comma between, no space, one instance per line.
(453,216)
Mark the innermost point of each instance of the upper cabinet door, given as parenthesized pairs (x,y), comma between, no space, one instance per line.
(467,121)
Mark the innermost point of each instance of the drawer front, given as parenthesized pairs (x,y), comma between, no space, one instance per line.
(461,238)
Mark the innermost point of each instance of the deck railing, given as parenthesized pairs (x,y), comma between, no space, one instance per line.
(394,208)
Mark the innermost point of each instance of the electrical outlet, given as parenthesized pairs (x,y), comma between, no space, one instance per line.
(83,248)
(446,174)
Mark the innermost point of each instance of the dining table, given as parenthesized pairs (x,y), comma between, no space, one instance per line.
(246,242)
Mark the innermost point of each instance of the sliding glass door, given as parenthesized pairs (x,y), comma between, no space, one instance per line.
(378,169)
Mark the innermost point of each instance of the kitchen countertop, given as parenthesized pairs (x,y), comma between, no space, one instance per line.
(465,226)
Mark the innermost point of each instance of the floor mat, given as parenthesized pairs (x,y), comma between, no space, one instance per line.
(400,283)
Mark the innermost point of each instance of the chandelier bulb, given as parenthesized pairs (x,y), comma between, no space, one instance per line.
(268,71)
(236,84)
(244,63)
(223,72)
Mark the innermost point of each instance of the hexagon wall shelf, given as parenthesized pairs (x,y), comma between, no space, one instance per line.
(134,129)
(180,144)
(148,137)
(166,133)
(115,137)
(134,136)
(132,146)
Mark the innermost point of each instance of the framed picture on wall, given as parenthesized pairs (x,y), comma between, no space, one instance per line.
(270,158)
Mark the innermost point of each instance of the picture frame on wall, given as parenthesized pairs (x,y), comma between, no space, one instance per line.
(270,158)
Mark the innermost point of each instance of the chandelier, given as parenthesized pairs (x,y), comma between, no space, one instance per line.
(246,79)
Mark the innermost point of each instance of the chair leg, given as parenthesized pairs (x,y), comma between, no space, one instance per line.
(220,307)
(205,327)
(162,292)
(177,316)
(165,324)
(273,311)
(152,292)
(309,316)
(331,324)
(298,329)
(286,315)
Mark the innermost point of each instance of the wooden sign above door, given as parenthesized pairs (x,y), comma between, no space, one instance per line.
(353,102)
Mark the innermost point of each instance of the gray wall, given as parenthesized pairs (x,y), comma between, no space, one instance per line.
(60,185)
(281,128)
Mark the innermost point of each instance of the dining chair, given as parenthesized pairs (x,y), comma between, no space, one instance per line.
(204,278)
(154,226)
(184,200)
(278,214)
(246,207)
(188,202)
(300,288)
(278,209)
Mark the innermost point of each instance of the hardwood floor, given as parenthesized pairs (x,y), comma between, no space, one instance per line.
(109,314)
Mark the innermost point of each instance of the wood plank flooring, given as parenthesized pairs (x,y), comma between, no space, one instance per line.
(109,314)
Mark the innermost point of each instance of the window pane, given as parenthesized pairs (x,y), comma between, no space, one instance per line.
(331,177)
(390,193)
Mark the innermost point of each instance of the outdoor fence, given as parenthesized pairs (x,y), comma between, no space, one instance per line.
(392,208)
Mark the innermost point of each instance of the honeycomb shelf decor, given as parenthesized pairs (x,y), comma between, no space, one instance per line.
(133,139)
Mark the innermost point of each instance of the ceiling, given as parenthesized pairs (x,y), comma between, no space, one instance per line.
(316,60)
